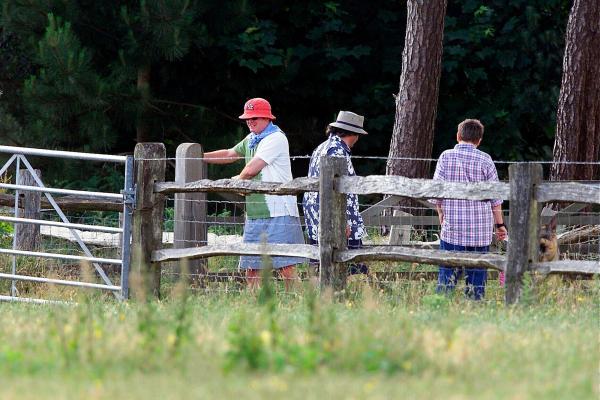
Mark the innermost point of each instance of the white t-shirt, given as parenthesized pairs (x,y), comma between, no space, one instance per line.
(274,150)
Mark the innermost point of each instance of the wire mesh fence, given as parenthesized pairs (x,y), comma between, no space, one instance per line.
(576,235)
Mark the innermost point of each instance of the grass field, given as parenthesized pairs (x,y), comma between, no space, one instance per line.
(372,345)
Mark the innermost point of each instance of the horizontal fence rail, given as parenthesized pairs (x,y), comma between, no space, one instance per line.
(389,185)
(292,250)
(100,195)
(567,267)
(568,191)
(61,256)
(15,299)
(70,203)
(402,253)
(61,154)
(421,188)
(296,186)
(87,285)
(83,227)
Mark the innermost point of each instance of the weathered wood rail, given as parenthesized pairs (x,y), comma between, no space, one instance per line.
(525,191)
(70,203)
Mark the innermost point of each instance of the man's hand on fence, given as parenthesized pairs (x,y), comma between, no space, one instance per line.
(238,177)
(501,233)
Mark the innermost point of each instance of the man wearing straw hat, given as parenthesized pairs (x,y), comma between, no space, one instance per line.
(266,153)
(342,135)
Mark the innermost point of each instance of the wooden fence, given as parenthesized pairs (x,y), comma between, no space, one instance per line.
(525,191)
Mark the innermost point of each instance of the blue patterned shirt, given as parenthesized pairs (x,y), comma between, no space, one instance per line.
(333,147)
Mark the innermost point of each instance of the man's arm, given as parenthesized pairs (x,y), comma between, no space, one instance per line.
(501,232)
(440,212)
(253,168)
(227,156)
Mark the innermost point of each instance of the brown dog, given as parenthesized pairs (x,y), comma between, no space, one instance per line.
(548,243)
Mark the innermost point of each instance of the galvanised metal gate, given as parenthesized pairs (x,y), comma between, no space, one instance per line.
(126,197)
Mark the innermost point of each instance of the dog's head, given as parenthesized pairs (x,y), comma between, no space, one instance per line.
(548,244)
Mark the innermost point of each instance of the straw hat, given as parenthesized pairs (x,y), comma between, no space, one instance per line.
(349,121)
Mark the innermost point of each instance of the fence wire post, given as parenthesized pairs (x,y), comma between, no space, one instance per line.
(150,160)
(332,223)
(189,228)
(523,226)
(13,285)
(128,204)
(28,235)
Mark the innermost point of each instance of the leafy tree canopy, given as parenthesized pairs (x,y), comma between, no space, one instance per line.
(70,73)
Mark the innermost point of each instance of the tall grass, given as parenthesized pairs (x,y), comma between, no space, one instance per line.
(306,345)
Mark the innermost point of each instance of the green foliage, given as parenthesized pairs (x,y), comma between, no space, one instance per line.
(182,334)
(70,72)
(224,229)
(6,229)
(502,64)
(66,100)
(436,301)
(156,30)
(9,126)
(169,223)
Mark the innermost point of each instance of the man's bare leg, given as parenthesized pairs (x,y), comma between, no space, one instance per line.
(290,278)
(253,278)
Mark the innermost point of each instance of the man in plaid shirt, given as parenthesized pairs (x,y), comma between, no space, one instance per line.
(467,225)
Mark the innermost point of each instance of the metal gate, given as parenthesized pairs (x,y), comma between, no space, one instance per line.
(19,160)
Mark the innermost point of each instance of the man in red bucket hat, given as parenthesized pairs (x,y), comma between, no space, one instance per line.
(267,155)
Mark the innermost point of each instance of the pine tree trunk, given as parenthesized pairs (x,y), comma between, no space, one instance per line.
(417,99)
(578,115)
(143,86)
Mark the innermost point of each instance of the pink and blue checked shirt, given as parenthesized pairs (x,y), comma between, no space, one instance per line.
(466,222)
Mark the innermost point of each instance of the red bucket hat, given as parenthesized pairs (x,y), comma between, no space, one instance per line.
(257,108)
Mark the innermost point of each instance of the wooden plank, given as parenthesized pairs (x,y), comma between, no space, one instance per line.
(566,219)
(150,159)
(389,202)
(429,220)
(400,234)
(568,191)
(28,235)
(293,250)
(523,226)
(190,208)
(377,208)
(567,267)
(378,277)
(573,208)
(294,187)
(69,203)
(422,188)
(434,257)
(332,223)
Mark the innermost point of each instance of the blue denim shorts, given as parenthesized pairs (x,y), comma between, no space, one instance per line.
(281,230)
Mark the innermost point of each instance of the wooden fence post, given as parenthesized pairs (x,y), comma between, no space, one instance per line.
(400,234)
(332,223)
(28,235)
(190,228)
(523,226)
(150,164)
